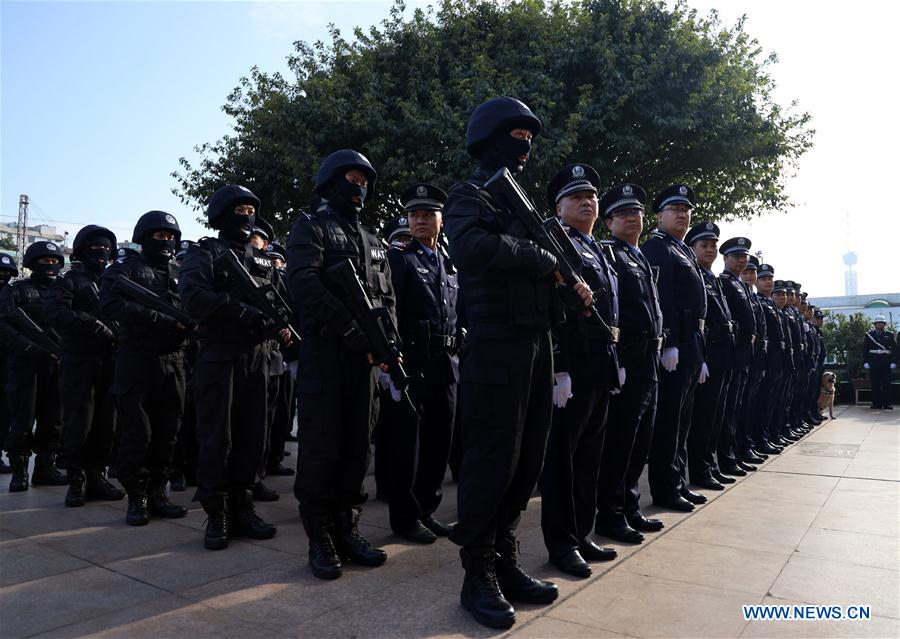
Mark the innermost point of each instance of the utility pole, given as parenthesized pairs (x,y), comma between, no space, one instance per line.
(20,229)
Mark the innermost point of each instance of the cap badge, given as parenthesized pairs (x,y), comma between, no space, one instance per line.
(709,226)
(578,171)
(421,191)
(627,191)
(185,244)
(51,246)
(682,190)
(741,241)
(403,221)
(170,219)
(121,251)
(6,260)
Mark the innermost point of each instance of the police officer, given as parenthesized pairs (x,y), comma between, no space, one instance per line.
(148,381)
(586,369)
(771,391)
(682,295)
(735,251)
(426,289)
(814,413)
(184,462)
(72,308)
(877,350)
(746,421)
(633,411)
(506,368)
(709,401)
(337,383)
(8,270)
(798,346)
(231,371)
(32,386)
(397,233)
(776,424)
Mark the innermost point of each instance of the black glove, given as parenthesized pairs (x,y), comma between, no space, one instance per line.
(103,332)
(256,321)
(534,259)
(355,339)
(163,321)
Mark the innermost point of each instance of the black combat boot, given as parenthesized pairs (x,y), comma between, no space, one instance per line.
(261,492)
(481,593)
(45,472)
(244,520)
(137,514)
(19,480)
(100,488)
(514,581)
(351,545)
(323,558)
(158,501)
(76,495)
(177,483)
(216,535)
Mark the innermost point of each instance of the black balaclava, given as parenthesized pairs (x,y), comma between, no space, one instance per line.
(45,273)
(5,277)
(157,252)
(502,149)
(236,228)
(96,259)
(341,194)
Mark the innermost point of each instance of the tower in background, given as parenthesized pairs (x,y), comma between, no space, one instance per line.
(850,287)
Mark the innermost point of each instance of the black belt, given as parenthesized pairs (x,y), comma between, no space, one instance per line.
(642,344)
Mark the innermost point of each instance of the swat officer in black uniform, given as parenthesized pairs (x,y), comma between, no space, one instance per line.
(72,308)
(586,369)
(633,411)
(231,371)
(8,270)
(506,367)
(682,295)
(771,391)
(184,463)
(878,348)
(337,384)
(736,251)
(148,381)
(709,400)
(417,450)
(32,385)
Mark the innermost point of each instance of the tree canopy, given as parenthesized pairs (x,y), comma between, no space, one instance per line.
(640,91)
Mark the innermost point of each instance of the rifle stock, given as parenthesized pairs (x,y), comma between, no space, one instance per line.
(44,340)
(145,297)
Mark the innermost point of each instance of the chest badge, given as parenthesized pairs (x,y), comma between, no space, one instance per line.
(422,270)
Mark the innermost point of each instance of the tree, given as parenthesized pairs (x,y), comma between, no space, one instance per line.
(844,336)
(640,91)
(7,243)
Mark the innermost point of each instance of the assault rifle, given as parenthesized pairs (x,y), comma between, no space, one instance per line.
(376,324)
(262,297)
(46,341)
(548,234)
(147,298)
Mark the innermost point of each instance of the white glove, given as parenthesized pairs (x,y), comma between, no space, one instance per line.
(621,376)
(704,373)
(670,358)
(395,394)
(866,365)
(384,380)
(562,389)
(893,366)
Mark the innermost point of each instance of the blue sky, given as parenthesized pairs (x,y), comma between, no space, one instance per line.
(99,100)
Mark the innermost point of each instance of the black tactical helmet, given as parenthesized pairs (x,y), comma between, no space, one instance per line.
(153,221)
(42,249)
(338,163)
(183,247)
(496,115)
(89,231)
(7,263)
(226,198)
(263,229)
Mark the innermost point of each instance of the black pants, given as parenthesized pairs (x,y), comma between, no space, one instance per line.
(186,449)
(417,451)
(149,391)
(338,409)
(725,445)
(506,404)
(767,397)
(272,455)
(572,461)
(281,420)
(625,451)
(744,420)
(32,395)
(89,412)
(4,408)
(880,375)
(668,452)
(230,396)
(709,401)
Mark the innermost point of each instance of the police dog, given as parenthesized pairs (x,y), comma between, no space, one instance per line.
(826,393)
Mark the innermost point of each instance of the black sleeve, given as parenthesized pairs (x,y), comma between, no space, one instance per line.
(58,302)
(196,288)
(116,306)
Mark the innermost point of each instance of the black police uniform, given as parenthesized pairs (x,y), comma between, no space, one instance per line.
(8,270)
(633,411)
(771,391)
(747,424)
(337,384)
(584,349)
(32,385)
(877,349)
(821,356)
(682,293)
(149,369)
(72,308)
(184,462)
(426,289)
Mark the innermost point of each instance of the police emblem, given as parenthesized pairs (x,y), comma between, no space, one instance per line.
(51,246)
(682,190)
(421,191)
(121,251)
(403,221)
(709,226)
(170,219)
(6,260)
(741,241)
(578,171)
(627,191)
(186,244)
